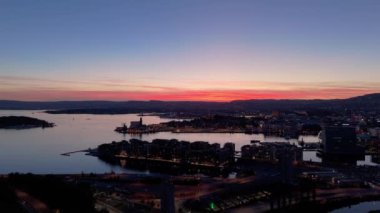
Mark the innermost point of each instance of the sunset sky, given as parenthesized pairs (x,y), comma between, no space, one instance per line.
(209,50)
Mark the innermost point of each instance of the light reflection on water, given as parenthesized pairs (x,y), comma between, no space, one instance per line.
(38,150)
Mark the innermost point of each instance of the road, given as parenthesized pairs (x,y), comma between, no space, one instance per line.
(31,204)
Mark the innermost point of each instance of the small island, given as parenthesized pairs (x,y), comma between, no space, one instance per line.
(22,122)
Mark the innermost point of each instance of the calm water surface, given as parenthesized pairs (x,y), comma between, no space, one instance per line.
(39,150)
(361,207)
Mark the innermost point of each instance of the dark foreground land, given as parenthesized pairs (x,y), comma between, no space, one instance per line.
(42,194)
(22,122)
(102,193)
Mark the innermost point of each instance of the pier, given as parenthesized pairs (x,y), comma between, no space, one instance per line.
(73,152)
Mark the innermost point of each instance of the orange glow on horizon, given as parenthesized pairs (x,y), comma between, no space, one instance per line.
(183,95)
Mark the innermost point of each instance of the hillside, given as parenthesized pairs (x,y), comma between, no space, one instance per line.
(365,102)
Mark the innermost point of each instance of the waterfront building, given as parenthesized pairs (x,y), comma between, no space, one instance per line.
(136,124)
(271,151)
(135,127)
(173,154)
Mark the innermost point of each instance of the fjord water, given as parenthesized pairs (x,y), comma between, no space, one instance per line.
(367,206)
(39,150)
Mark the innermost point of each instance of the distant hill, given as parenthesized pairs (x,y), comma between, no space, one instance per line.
(370,101)
(365,102)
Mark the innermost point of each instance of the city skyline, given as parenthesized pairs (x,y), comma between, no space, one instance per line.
(188,50)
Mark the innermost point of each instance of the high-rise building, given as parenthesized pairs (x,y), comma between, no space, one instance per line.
(167,197)
(340,142)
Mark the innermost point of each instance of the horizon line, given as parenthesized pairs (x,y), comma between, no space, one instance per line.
(205,101)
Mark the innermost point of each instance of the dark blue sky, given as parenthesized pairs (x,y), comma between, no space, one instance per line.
(186,45)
